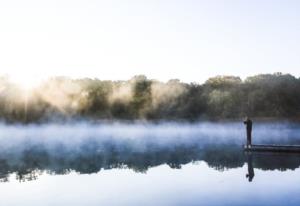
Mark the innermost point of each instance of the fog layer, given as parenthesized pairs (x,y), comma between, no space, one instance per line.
(88,147)
(139,135)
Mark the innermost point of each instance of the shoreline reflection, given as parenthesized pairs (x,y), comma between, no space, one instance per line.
(32,162)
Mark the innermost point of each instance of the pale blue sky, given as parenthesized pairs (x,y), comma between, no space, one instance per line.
(189,40)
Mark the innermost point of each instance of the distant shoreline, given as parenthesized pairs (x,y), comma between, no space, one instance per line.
(265,97)
(146,122)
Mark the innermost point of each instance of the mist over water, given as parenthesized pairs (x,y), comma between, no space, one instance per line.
(146,157)
(138,135)
(88,147)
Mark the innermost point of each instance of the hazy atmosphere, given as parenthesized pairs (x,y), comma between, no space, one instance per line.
(115,40)
(154,102)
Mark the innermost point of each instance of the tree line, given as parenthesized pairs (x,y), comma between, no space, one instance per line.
(221,97)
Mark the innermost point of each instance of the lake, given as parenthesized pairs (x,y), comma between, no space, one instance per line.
(138,163)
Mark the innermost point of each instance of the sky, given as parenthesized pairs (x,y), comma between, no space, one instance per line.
(190,40)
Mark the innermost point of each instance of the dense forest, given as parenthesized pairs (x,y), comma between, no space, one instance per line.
(221,97)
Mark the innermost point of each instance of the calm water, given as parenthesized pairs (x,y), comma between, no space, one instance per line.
(146,164)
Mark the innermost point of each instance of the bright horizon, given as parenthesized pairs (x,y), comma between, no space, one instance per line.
(186,40)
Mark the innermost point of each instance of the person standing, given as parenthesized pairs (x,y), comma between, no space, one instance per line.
(248,123)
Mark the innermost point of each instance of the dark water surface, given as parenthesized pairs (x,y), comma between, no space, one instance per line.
(147,164)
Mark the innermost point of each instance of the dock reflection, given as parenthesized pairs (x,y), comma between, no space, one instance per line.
(270,161)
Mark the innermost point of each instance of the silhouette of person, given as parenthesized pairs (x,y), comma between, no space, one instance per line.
(248,124)
(250,174)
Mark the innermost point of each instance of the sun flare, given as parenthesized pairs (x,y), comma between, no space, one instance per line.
(26,82)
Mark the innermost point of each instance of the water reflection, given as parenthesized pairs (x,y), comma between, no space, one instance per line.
(31,150)
(30,163)
(169,165)
(250,174)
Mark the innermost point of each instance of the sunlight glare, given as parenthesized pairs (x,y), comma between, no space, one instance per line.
(26,82)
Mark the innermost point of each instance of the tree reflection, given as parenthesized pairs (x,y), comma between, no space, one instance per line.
(32,162)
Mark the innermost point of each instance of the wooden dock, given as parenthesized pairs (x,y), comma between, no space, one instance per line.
(273,148)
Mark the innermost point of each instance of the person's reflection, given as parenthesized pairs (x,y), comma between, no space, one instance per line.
(250,174)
